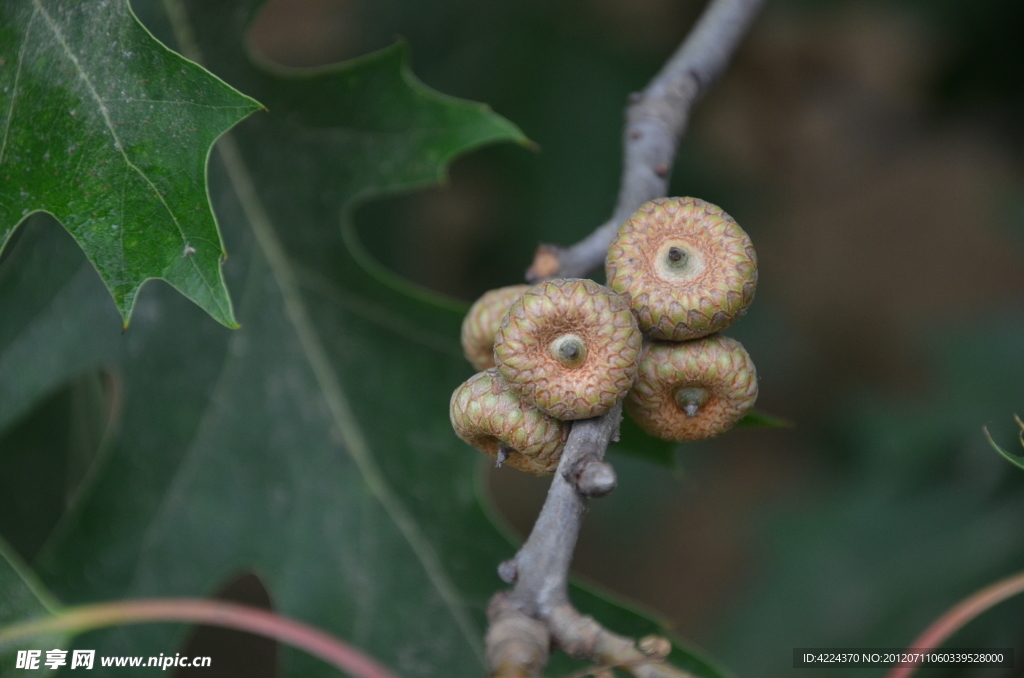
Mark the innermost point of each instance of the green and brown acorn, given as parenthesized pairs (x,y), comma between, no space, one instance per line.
(482,322)
(570,347)
(489,416)
(684,266)
(692,390)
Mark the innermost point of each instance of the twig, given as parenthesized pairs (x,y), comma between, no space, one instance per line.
(537,614)
(541,568)
(524,621)
(212,612)
(958,616)
(655,122)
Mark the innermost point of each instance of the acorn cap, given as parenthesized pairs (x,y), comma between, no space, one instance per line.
(489,416)
(685,267)
(694,389)
(570,347)
(482,321)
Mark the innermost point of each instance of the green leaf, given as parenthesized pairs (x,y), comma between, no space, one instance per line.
(759,419)
(313,445)
(109,131)
(23,597)
(635,442)
(1012,458)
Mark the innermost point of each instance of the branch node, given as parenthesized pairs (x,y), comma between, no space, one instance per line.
(656,647)
(517,645)
(596,478)
(545,263)
(695,74)
(509,571)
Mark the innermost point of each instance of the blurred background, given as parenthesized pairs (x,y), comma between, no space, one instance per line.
(874,152)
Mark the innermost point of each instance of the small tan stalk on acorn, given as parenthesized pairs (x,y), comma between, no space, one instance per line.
(570,347)
(685,267)
(489,416)
(692,390)
(482,322)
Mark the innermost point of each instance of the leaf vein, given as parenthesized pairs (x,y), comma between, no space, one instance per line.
(372,312)
(14,87)
(334,395)
(175,102)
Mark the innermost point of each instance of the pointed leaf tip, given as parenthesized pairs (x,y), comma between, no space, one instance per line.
(109,131)
(1014,459)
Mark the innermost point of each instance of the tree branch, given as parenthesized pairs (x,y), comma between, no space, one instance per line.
(541,568)
(656,120)
(537,613)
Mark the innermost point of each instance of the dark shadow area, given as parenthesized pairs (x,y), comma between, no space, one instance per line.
(234,654)
(46,456)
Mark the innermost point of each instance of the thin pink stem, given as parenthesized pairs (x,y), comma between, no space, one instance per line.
(214,613)
(958,616)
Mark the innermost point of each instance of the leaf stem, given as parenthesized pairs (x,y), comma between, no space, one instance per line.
(958,617)
(211,612)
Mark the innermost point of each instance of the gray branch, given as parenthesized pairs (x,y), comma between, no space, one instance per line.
(541,568)
(656,120)
(537,613)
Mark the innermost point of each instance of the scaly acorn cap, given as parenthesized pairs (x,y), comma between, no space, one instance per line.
(570,347)
(685,267)
(692,390)
(482,321)
(489,416)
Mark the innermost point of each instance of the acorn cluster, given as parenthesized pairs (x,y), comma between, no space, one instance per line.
(679,271)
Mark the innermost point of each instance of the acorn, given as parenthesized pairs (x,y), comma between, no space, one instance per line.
(570,347)
(481,323)
(489,416)
(692,390)
(684,266)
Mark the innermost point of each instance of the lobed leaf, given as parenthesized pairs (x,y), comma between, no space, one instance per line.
(109,131)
